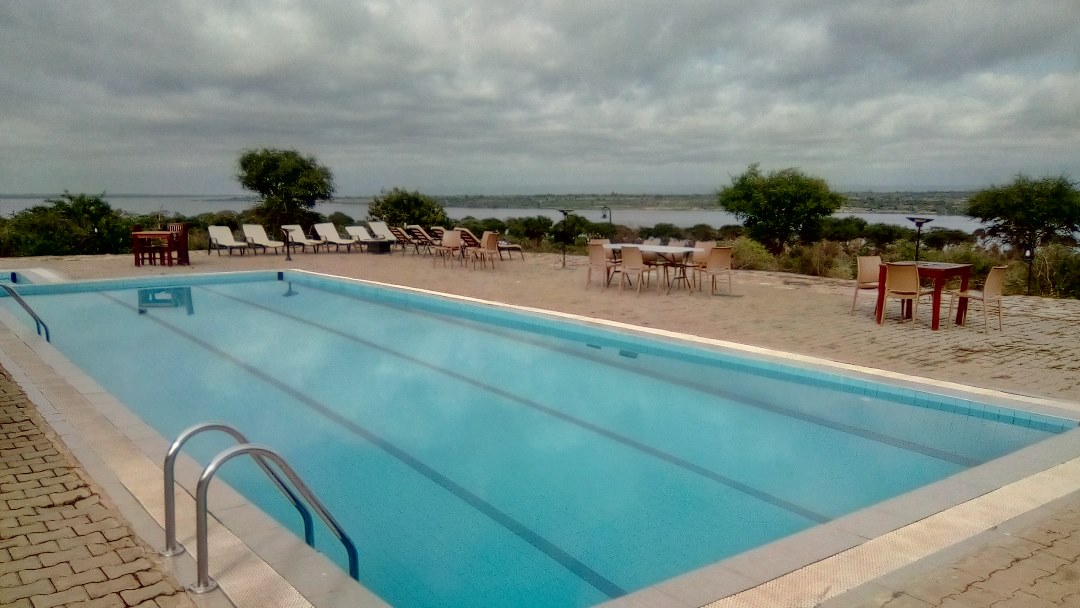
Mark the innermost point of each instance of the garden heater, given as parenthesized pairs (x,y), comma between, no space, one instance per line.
(919,221)
(1029,257)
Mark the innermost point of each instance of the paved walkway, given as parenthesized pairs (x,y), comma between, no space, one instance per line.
(61,542)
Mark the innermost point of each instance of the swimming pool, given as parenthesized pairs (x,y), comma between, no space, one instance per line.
(530,462)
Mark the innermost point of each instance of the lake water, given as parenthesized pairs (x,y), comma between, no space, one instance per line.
(357,209)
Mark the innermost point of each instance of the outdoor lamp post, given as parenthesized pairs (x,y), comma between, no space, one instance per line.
(919,221)
(1029,257)
(606,214)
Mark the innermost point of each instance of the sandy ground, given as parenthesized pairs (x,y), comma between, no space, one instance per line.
(1037,354)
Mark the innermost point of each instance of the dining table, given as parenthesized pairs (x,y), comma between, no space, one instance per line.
(145,245)
(673,256)
(941,273)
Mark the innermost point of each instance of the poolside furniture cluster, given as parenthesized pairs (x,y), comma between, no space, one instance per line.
(161,247)
(380,239)
(680,262)
(903,281)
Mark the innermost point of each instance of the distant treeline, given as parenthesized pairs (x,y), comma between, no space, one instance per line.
(940,203)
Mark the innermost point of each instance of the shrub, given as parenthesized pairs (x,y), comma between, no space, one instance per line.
(748,254)
(822,259)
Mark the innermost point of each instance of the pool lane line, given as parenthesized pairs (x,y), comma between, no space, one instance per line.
(555,413)
(875,436)
(553,551)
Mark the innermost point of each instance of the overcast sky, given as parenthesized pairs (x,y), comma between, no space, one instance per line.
(541,96)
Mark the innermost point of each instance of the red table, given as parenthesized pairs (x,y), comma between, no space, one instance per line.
(941,272)
(142,243)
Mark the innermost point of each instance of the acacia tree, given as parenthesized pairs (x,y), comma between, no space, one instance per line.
(401,208)
(779,207)
(289,183)
(1029,212)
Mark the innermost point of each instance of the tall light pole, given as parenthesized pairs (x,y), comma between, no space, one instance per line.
(919,221)
(565,216)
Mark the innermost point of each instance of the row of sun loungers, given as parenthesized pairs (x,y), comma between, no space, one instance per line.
(326,234)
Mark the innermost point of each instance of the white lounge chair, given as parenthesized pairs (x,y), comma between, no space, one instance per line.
(255,235)
(380,229)
(330,236)
(362,237)
(221,237)
(297,237)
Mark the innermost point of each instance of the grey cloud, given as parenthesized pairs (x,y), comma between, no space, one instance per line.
(472,96)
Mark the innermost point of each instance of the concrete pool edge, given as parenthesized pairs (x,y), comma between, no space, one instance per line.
(692,584)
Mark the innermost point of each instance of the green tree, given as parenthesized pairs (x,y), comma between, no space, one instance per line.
(289,183)
(779,207)
(71,224)
(533,228)
(401,208)
(1029,211)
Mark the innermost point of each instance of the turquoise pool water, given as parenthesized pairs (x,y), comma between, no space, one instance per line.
(483,457)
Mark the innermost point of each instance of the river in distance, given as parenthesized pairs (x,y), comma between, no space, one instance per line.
(357,209)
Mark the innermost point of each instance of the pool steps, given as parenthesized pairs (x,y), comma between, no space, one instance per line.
(260,454)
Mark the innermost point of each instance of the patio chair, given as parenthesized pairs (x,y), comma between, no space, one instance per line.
(255,235)
(221,237)
(634,265)
(180,237)
(869,267)
(488,249)
(381,230)
(297,237)
(599,261)
(718,263)
(328,232)
(902,283)
(468,239)
(449,246)
(700,258)
(437,232)
(991,292)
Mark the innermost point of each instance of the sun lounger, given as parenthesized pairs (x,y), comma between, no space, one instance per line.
(330,236)
(221,237)
(297,238)
(510,248)
(255,235)
(380,229)
(404,240)
(420,237)
(363,237)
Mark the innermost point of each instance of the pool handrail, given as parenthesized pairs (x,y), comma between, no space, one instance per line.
(37,320)
(203,582)
(171,546)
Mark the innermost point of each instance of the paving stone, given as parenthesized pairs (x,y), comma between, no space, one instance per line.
(33,549)
(112,585)
(18,541)
(70,596)
(97,561)
(38,587)
(74,541)
(94,575)
(29,563)
(116,571)
(52,572)
(113,600)
(136,596)
(47,535)
(76,553)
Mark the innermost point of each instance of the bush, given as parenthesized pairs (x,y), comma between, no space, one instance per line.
(748,254)
(1055,272)
(821,259)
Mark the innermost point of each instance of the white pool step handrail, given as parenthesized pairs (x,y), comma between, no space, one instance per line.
(38,323)
(171,546)
(203,582)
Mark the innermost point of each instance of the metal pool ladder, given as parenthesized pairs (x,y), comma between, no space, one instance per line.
(37,320)
(260,454)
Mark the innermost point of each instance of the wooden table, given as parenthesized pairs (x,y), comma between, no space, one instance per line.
(941,272)
(142,243)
